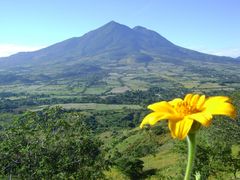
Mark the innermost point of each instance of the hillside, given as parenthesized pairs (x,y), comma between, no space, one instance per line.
(73,109)
(113,59)
(113,40)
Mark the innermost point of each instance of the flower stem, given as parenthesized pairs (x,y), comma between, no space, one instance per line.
(191,139)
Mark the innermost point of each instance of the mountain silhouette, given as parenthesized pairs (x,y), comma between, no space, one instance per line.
(113,40)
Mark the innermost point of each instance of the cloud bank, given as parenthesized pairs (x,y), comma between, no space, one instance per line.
(235,52)
(10,49)
(231,52)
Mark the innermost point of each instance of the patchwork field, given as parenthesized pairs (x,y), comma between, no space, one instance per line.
(112,100)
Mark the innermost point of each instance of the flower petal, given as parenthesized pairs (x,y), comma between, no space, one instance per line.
(194,100)
(218,105)
(175,102)
(153,118)
(163,107)
(216,99)
(200,102)
(203,118)
(221,109)
(181,128)
(188,98)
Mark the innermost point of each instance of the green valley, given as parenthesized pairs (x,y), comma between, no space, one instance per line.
(73,110)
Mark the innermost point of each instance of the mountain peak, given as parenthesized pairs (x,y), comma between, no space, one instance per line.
(112,41)
(113,24)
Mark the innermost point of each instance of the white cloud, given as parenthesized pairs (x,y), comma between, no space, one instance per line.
(231,52)
(235,52)
(9,49)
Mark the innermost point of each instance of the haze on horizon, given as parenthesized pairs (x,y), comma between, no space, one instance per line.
(206,26)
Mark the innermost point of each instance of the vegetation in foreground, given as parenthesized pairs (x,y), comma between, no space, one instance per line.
(56,143)
(101,139)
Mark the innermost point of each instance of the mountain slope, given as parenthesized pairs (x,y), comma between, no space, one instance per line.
(112,40)
(113,59)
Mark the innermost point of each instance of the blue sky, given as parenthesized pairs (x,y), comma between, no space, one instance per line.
(211,26)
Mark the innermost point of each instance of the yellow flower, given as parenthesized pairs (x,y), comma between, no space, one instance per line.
(181,113)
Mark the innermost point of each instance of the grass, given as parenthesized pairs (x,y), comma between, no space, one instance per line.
(95,106)
(115,174)
(96,90)
(163,159)
(235,150)
(120,89)
(92,106)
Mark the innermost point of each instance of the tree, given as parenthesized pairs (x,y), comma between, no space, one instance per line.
(51,144)
(132,167)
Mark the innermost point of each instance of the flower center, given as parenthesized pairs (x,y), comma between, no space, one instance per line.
(184,108)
